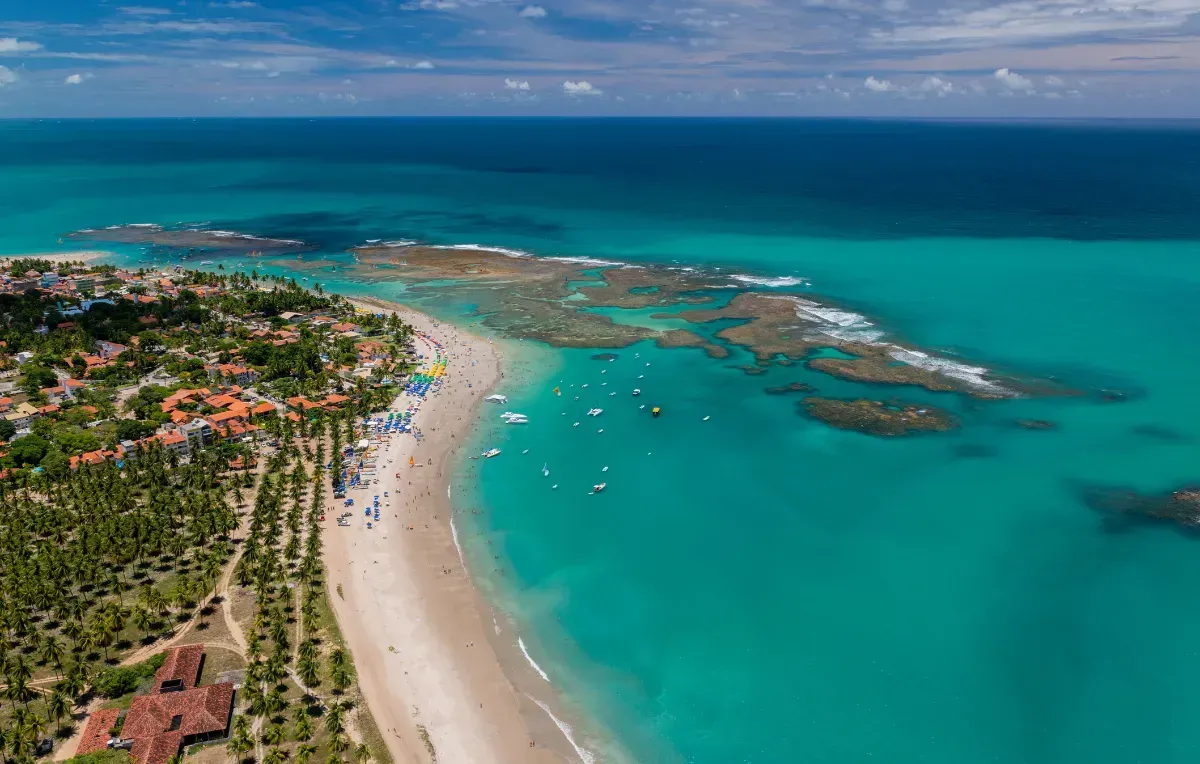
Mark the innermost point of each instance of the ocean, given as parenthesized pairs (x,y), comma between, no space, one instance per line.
(758,586)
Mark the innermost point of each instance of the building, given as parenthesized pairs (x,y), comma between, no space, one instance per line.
(239,374)
(22,415)
(106,349)
(178,712)
(49,279)
(198,433)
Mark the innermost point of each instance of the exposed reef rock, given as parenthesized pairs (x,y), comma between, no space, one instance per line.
(605,357)
(215,242)
(1034,424)
(794,387)
(878,417)
(1181,507)
(682,338)
(1159,432)
(555,300)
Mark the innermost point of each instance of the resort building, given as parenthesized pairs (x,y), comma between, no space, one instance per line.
(176,713)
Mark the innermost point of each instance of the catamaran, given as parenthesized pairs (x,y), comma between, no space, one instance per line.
(637,391)
(491,452)
(497,399)
(512,417)
(595,412)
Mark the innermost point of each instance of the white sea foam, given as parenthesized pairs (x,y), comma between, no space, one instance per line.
(840,324)
(972,375)
(248,237)
(589,261)
(584,754)
(532,662)
(483,248)
(780,281)
(396,244)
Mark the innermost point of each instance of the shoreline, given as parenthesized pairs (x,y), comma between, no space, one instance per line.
(87,256)
(436,675)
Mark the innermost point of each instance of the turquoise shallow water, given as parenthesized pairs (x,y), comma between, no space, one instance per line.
(760,587)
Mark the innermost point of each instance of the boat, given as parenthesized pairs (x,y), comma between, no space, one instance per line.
(545,470)
(511,417)
(497,399)
(599,487)
(491,452)
(655,411)
(575,425)
(206,262)
(557,391)
(705,419)
(637,391)
(605,469)
(525,452)
(595,412)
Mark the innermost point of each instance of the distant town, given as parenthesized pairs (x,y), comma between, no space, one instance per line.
(99,363)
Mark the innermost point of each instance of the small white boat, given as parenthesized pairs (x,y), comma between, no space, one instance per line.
(595,412)
(604,371)
(599,487)
(511,417)
(584,384)
(637,391)
(641,376)
(554,487)
(642,406)
(525,452)
(206,262)
(497,399)
(705,419)
(605,469)
(545,471)
(575,425)
(600,431)
(491,452)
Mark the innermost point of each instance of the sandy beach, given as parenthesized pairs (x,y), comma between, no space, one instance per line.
(81,256)
(439,679)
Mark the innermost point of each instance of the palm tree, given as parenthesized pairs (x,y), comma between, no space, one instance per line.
(335,718)
(339,742)
(362,754)
(273,735)
(58,706)
(274,756)
(304,726)
(304,752)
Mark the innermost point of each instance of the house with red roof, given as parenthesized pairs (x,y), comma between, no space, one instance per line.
(177,713)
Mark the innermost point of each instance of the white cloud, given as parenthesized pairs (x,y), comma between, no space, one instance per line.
(895,6)
(515,84)
(423,65)
(1013,81)
(581,88)
(878,86)
(1053,81)
(77,79)
(391,62)
(936,85)
(532,12)
(13,45)
(142,10)
(234,4)
(7,76)
(1022,20)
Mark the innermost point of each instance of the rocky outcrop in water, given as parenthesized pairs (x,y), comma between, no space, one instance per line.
(1181,507)
(878,417)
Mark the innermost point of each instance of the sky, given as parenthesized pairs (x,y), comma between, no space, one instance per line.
(902,58)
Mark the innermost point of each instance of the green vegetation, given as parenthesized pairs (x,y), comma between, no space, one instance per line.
(115,682)
(102,757)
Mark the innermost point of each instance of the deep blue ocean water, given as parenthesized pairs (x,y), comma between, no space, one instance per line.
(760,587)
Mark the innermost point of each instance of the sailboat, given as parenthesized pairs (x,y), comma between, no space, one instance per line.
(545,471)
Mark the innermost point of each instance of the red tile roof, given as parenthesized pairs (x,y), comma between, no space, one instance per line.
(263,408)
(182,663)
(204,710)
(156,750)
(96,734)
